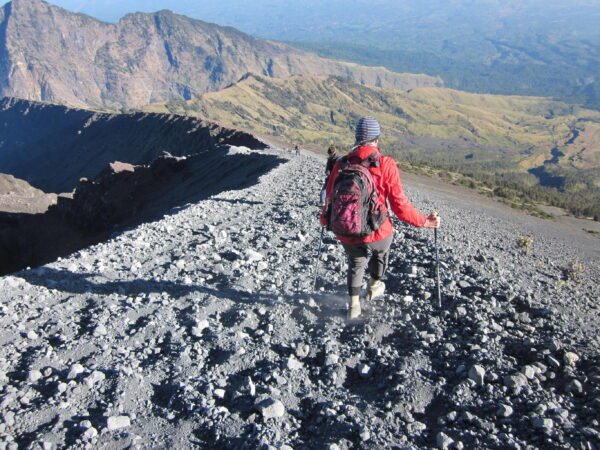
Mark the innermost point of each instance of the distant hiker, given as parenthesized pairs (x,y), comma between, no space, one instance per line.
(332,157)
(358,191)
(296,150)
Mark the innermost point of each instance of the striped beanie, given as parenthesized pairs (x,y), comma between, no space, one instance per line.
(367,130)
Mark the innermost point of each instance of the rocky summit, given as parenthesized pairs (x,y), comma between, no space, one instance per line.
(50,54)
(200,330)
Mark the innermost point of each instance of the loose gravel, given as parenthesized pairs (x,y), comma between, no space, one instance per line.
(200,330)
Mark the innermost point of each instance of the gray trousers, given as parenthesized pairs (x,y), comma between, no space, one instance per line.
(358,257)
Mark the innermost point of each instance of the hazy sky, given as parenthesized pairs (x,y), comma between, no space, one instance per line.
(298,19)
(112,10)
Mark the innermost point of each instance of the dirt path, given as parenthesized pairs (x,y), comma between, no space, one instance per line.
(199,331)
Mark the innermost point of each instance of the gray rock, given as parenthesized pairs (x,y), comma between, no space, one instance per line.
(271,408)
(416,427)
(293,363)
(34,375)
(302,350)
(9,418)
(571,358)
(477,374)
(591,432)
(452,416)
(118,422)
(411,270)
(575,387)
(555,363)
(253,256)
(32,335)
(542,423)
(95,377)
(504,411)
(365,370)
(331,359)
(219,393)
(90,434)
(100,330)
(443,441)
(74,371)
(199,327)
(516,382)
(365,435)
(250,387)
(530,371)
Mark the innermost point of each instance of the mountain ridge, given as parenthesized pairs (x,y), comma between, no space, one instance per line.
(524,141)
(53,55)
(52,146)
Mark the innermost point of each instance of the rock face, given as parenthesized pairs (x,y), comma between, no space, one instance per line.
(117,195)
(49,54)
(123,195)
(18,196)
(52,147)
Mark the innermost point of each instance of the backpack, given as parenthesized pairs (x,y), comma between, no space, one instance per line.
(355,209)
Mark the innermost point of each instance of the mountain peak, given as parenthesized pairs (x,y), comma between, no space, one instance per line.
(28,5)
(74,59)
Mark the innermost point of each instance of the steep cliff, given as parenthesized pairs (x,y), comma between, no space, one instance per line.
(52,147)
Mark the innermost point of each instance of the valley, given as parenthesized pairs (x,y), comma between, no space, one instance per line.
(508,142)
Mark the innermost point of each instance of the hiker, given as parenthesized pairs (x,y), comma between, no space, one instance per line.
(296,150)
(332,157)
(370,231)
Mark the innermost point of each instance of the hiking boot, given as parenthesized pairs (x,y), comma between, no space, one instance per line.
(376,288)
(354,310)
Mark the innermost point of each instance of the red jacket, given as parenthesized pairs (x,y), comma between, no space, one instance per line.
(389,187)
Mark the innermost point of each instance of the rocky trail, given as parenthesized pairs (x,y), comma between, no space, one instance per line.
(199,330)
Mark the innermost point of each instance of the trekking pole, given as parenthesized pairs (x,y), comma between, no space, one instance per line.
(437,267)
(318,259)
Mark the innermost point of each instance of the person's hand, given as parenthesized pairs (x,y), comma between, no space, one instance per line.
(432,221)
(323,219)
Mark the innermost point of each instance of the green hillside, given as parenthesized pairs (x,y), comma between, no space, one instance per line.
(546,149)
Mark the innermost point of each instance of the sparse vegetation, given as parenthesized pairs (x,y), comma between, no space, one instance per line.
(525,243)
(489,143)
(573,271)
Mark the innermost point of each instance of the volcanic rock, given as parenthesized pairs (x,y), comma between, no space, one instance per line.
(117,422)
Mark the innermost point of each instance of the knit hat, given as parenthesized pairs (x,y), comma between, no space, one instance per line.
(367,130)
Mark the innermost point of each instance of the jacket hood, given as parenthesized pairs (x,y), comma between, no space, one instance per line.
(364,151)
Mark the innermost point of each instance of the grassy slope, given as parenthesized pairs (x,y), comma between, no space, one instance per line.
(477,134)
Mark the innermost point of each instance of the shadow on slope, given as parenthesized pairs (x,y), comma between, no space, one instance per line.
(123,196)
(52,147)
